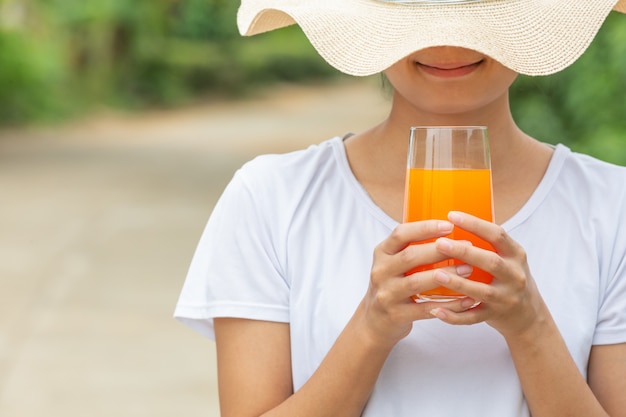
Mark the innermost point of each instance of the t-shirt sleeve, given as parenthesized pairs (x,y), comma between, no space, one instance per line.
(236,270)
(611,325)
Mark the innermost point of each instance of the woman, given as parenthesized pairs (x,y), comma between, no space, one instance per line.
(299,275)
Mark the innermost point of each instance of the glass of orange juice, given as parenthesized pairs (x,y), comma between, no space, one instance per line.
(448,168)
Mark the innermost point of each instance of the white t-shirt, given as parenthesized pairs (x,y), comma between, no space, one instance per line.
(292,237)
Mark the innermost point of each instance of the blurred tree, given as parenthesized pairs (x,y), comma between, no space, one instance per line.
(31,67)
(207,20)
(59,56)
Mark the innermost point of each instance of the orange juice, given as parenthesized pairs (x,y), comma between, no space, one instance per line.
(431,194)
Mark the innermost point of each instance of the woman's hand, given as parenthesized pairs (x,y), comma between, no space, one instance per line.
(388,309)
(511,303)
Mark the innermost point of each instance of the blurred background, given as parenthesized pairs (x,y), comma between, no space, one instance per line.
(120,124)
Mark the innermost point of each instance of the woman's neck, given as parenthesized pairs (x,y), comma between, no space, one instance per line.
(378,156)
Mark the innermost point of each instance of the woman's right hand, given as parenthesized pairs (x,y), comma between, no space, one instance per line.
(387,308)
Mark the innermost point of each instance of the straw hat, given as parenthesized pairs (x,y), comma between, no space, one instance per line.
(363,37)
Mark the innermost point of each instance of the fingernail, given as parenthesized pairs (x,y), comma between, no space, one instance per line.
(441,277)
(444,244)
(455,217)
(445,227)
(464,270)
(467,302)
(439,313)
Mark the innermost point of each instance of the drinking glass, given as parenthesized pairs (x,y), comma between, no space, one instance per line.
(448,168)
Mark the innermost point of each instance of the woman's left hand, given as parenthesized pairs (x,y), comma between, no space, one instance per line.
(511,303)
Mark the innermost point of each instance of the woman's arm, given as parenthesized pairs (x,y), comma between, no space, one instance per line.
(551,381)
(253,365)
(607,377)
(254,372)
(254,357)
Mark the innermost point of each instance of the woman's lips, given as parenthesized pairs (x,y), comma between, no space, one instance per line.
(451,70)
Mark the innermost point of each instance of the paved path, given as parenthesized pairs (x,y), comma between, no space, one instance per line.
(98,222)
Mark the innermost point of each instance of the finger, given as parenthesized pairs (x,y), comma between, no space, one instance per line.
(412,311)
(404,263)
(488,231)
(478,291)
(486,260)
(472,315)
(407,233)
(414,256)
(463,270)
(449,308)
(420,282)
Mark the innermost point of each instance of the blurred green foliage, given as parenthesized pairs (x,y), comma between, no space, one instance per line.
(583,106)
(59,58)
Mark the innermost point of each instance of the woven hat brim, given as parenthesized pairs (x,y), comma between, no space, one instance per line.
(364,37)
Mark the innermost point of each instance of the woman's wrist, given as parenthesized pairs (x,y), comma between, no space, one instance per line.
(537,329)
(373,336)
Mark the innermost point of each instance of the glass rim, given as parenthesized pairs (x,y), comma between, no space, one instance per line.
(449,127)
